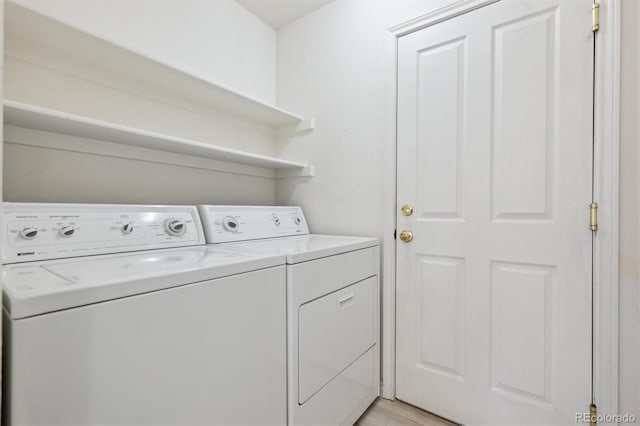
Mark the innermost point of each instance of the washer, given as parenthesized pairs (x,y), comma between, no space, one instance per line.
(332,307)
(121,315)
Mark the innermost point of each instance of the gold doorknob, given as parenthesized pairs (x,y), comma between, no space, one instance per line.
(406,235)
(407,210)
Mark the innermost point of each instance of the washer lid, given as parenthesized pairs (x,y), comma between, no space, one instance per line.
(305,247)
(41,287)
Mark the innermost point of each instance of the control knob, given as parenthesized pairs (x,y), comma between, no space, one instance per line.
(297,220)
(127,228)
(29,233)
(231,224)
(175,227)
(67,231)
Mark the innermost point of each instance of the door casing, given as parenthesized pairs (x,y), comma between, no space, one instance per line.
(606,194)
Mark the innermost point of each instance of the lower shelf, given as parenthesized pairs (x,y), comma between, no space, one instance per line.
(25,123)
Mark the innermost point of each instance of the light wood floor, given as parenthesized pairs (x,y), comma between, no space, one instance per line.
(396,413)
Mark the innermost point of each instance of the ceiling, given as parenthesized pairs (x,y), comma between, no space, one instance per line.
(278,13)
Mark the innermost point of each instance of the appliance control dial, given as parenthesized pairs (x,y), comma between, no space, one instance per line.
(29,233)
(67,231)
(230,224)
(127,228)
(297,220)
(276,221)
(176,227)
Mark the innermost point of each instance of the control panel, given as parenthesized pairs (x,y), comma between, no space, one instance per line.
(224,224)
(35,231)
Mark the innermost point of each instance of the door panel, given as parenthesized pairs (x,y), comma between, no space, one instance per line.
(440,76)
(520,318)
(523,138)
(495,153)
(440,312)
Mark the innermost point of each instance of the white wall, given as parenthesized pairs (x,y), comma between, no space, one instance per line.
(331,66)
(630,211)
(218,40)
(49,175)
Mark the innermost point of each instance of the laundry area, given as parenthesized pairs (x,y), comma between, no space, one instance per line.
(320,212)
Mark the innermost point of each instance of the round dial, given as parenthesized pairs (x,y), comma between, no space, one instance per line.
(67,231)
(176,227)
(231,224)
(297,220)
(127,228)
(29,233)
(276,220)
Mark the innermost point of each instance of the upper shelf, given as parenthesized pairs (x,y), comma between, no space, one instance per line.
(25,27)
(37,118)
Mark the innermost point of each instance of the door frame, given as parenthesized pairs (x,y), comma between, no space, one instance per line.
(606,190)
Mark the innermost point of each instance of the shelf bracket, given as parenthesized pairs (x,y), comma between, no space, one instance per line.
(306,125)
(307,171)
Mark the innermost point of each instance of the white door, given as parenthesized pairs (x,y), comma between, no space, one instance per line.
(495,156)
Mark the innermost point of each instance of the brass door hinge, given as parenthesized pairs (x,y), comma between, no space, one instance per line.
(595,17)
(593,415)
(593,216)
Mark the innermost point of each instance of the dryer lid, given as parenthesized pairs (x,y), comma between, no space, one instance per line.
(306,247)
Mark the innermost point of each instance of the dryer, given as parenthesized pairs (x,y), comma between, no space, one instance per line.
(332,307)
(122,315)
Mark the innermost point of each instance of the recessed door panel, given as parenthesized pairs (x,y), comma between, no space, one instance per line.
(440,82)
(440,310)
(521,298)
(524,66)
